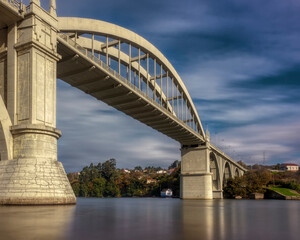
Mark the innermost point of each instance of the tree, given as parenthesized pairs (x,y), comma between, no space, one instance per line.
(242,163)
(236,187)
(83,192)
(76,188)
(256,166)
(109,169)
(250,182)
(175,164)
(153,169)
(105,180)
(277,166)
(138,168)
(112,190)
(99,187)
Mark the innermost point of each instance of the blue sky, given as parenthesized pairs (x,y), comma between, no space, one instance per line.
(239,60)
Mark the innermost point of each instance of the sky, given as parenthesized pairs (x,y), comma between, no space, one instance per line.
(239,60)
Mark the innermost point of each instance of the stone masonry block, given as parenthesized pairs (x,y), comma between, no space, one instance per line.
(31,186)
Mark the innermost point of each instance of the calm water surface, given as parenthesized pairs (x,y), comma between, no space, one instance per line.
(148,218)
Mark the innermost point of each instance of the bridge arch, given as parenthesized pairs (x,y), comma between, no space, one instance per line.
(227,173)
(96,46)
(214,169)
(237,173)
(6,139)
(121,48)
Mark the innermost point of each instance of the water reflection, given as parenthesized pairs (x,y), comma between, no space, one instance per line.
(35,222)
(244,219)
(128,219)
(155,219)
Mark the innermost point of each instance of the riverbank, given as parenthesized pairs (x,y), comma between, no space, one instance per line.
(284,185)
(276,192)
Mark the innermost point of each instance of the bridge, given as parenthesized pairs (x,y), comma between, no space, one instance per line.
(113,65)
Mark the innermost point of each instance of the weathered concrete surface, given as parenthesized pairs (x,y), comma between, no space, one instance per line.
(218,194)
(204,171)
(196,178)
(256,196)
(33,182)
(6,139)
(35,141)
(29,171)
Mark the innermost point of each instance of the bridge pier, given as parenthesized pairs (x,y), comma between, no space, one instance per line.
(217,194)
(31,175)
(196,178)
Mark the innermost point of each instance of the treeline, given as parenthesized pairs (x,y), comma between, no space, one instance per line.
(258,181)
(105,180)
(260,167)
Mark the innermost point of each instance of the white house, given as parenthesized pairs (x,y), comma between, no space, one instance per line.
(289,167)
(166,192)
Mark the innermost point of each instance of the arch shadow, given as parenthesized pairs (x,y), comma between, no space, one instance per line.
(214,169)
(226,174)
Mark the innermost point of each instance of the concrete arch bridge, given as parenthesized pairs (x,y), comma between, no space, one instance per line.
(108,62)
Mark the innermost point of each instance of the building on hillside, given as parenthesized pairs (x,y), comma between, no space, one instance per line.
(125,170)
(170,171)
(161,172)
(289,167)
(151,180)
(166,192)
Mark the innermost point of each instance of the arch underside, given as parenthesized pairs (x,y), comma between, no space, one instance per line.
(214,169)
(222,168)
(237,173)
(127,72)
(227,173)
(6,139)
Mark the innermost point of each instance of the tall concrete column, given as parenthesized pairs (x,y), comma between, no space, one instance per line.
(196,178)
(33,175)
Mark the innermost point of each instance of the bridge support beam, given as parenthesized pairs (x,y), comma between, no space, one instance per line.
(196,178)
(32,175)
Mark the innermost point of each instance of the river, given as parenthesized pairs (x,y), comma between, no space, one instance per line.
(155,219)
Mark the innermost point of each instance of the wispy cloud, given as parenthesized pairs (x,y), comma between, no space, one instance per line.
(279,142)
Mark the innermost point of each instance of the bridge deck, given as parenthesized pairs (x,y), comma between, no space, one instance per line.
(95,78)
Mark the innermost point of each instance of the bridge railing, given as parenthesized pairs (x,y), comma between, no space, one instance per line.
(138,65)
(18,5)
(15,3)
(102,64)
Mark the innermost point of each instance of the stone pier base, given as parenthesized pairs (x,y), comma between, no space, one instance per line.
(34,182)
(195,178)
(196,186)
(217,194)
